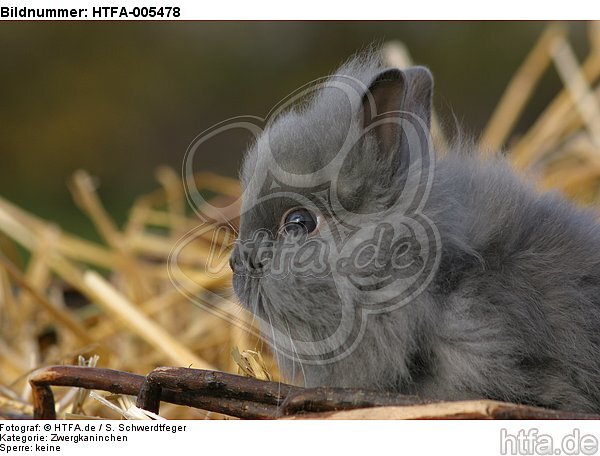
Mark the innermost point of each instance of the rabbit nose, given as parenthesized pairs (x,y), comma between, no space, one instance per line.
(242,259)
(234,259)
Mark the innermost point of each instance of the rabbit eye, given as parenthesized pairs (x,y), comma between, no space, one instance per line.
(299,221)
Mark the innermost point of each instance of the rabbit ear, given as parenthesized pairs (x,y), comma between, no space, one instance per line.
(408,91)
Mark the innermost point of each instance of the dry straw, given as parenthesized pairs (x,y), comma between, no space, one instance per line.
(113,303)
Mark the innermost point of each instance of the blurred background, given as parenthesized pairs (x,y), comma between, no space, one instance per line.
(118,99)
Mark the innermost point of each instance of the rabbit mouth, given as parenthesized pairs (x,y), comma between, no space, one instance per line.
(247,290)
(365,282)
(242,286)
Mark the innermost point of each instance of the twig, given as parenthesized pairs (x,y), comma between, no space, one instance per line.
(460,410)
(251,398)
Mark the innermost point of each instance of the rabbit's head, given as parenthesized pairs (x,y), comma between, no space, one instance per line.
(331,227)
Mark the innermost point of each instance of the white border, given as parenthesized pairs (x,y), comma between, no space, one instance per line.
(343,9)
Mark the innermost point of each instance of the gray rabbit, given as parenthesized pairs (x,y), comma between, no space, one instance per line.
(370,263)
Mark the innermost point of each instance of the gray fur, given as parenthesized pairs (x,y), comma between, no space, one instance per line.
(513,311)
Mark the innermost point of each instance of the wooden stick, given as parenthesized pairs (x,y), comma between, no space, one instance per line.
(287,399)
(250,398)
(460,410)
(117,382)
(312,400)
(257,398)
